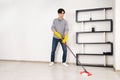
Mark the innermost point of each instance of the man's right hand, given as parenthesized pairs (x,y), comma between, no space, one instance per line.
(58,34)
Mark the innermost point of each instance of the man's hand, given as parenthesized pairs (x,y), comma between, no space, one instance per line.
(58,34)
(65,39)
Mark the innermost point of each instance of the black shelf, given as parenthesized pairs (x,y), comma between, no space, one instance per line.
(77,33)
(86,10)
(104,53)
(110,66)
(100,20)
(94,20)
(111,23)
(91,54)
(93,65)
(95,54)
(94,9)
(95,43)
(92,32)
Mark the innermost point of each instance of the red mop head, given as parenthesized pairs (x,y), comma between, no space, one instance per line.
(85,73)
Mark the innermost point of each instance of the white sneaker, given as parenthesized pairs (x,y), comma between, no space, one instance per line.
(65,64)
(51,63)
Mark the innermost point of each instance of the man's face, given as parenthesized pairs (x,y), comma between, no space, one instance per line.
(61,15)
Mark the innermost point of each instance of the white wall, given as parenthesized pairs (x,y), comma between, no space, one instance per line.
(117,36)
(25,32)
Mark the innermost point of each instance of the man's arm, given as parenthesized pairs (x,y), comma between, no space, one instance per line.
(57,34)
(66,29)
(66,33)
(54,31)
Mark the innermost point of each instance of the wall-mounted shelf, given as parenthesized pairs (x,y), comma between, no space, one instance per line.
(89,10)
(91,32)
(94,9)
(97,65)
(104,53)
(88,32)
(105,20)
(95,20)
(90,54)
(110,66)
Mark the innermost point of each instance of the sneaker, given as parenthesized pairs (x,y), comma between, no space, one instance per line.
(65,64)
(51,63)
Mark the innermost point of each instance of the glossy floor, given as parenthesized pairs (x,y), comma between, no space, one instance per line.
(10,70)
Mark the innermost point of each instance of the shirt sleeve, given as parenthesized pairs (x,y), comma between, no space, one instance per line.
(66,27)
(53,25)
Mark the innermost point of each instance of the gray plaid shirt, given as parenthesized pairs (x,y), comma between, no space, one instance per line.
(60,26)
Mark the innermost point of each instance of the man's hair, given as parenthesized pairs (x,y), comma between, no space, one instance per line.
(61,10)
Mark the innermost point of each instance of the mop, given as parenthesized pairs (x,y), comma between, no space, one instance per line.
(85,72)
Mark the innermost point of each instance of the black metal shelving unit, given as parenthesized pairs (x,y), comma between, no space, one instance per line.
(105,54)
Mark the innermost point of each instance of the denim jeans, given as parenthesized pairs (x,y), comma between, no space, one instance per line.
(54,45)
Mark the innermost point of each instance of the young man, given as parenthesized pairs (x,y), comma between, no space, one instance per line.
(60,30)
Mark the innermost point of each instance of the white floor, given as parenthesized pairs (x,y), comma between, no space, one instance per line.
(10,70)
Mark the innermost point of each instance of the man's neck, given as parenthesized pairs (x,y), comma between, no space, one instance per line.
(60,18)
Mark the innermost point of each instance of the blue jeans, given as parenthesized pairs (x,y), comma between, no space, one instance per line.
(54,45)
